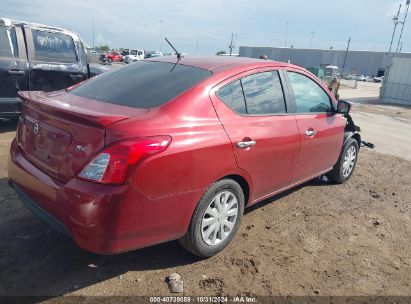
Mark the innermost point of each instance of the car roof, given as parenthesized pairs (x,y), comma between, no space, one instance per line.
(218,64)
(10,22)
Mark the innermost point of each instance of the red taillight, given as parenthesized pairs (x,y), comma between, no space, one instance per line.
(110,165)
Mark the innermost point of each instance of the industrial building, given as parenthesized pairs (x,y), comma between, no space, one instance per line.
(396,87)
(368,63)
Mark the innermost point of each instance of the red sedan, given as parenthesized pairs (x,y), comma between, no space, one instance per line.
(175,149)
(114,56)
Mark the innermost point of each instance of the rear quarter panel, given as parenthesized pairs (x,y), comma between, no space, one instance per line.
(200,153)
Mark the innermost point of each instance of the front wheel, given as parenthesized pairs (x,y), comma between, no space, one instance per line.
(345,165)
(216,219)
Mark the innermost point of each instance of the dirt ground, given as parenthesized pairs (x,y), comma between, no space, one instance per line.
(386,126)
(351,239)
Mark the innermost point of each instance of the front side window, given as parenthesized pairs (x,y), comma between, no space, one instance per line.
(263,93)
(308,95)
(133,52)
(53,47)
(232,96)
(8,43)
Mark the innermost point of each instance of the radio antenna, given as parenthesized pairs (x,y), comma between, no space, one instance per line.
(179,55)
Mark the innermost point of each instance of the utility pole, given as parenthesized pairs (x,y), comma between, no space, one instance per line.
(231,46)
(312,37)
(161,35)
(198,38)
(345,57)
(286,34)
(401,47)
(395,19)
(92,21)
(403,24)
(387,69)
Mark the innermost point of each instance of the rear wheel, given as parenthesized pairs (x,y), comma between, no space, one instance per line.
(215,220)
(109,60)
(345,165)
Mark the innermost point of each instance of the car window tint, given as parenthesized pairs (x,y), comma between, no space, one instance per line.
(308,95)
(8,43)
(263,93)
(143,85)
(133,52)
(232,96)
(53,47)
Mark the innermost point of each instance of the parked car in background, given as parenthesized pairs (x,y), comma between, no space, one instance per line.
(378,79)
(113,56)
(118,163)
(102,57)
(39,58)
(125,52)
(135,55)
(151,54)
(357,77)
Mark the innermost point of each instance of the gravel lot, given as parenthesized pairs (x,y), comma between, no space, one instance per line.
(351,239)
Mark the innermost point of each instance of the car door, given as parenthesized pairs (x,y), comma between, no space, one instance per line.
(13,69)
(54,61)
(253,110)
(321,129)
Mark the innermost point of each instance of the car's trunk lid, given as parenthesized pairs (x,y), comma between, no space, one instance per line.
(59,132)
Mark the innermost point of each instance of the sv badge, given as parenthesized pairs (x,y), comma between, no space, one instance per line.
(81,148)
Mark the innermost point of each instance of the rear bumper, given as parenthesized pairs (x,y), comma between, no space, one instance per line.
(100,218)
(10,107)
(40,213)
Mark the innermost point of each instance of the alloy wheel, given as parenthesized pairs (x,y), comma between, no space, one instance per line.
(349,161)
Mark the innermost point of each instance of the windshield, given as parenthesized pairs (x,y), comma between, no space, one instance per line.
(142,85)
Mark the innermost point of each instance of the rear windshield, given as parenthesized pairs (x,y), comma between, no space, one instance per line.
(142,85)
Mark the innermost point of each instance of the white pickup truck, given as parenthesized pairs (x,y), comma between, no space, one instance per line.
(135,55)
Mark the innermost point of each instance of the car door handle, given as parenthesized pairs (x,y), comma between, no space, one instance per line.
(246,144)
(15,72)
(310,132)
(74,76)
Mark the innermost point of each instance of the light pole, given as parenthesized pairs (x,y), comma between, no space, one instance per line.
(312,37)
(231,46)
(161,35)
(403,24)
(198,38)
(92,22)
(286,34)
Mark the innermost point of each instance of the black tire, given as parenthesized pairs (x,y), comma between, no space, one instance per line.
(109,60)
(336,174)
(193,240)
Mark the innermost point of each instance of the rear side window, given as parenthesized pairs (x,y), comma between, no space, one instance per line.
(8,42)
(308,95)
(232,96)
(142,85)
(263,93)
(53,47)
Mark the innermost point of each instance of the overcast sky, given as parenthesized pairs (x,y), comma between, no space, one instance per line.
(137,24)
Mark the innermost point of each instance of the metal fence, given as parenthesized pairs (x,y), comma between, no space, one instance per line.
(93,58)
(396,87)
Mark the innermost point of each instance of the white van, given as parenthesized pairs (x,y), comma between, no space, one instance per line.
(135,55)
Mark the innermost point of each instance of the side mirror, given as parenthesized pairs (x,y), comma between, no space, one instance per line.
(343,107)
